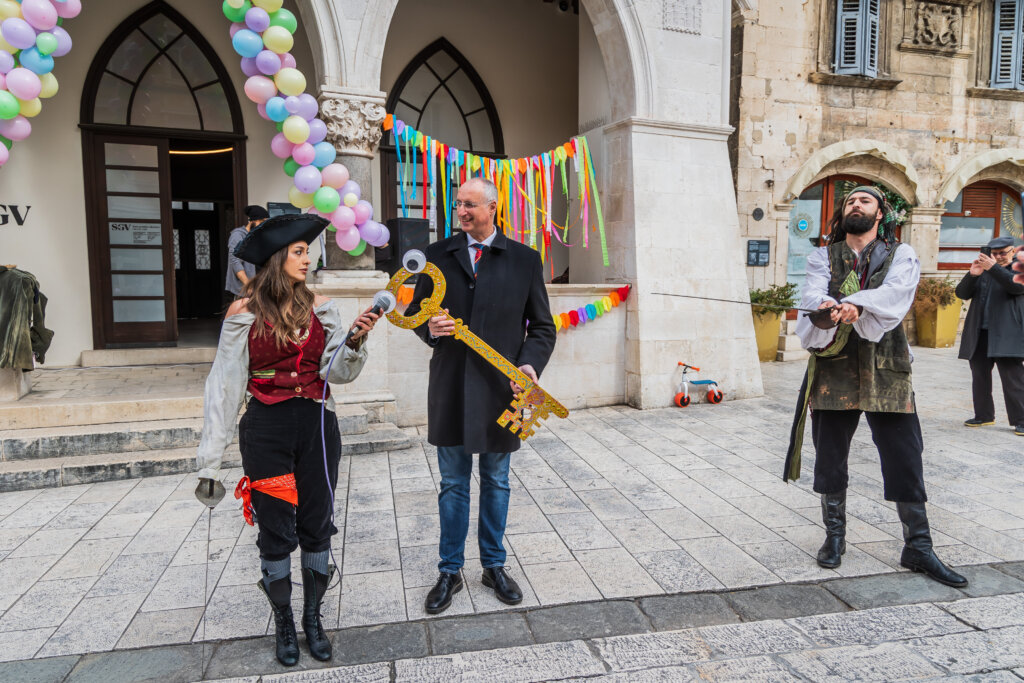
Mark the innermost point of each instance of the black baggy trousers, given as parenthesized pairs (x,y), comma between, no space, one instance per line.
(900,447)
(1011,374)
(278,439)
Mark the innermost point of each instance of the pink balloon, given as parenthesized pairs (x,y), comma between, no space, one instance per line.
(280,146)
(17,128)
(39,13)
(317,131)
(347,239)
(335,175)
(235,28)
(23,84)
(304,154)
(364,212)
(4,154)
(249,67)
(259,89)
(343,218)
(287,61)
(69,9)
(261,109)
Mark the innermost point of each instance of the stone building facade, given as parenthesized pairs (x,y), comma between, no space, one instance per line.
(922,97)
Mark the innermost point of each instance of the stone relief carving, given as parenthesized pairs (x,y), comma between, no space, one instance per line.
(682,15)
(353,125)
(938,25)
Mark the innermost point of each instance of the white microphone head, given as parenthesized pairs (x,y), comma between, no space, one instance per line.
(385,301)
(414,260)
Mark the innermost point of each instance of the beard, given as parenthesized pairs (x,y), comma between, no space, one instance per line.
(858,223)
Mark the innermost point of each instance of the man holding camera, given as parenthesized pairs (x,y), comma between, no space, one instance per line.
(994,333)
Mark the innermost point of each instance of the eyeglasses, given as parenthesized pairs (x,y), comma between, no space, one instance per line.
(468,206)
(1004,252)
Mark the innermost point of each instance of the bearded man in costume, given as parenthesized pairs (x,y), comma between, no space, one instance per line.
(863,283)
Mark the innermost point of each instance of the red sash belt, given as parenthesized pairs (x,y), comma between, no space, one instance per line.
(282,487)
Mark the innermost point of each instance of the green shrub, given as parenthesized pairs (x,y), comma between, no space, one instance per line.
(775,299)
(933,293)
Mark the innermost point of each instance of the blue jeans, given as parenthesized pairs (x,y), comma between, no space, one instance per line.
(456,465)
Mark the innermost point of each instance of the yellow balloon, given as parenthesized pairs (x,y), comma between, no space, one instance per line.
(350,199)
(295,129)
(277,39)
(290,81)
(49,82)
(299,199)
(4,45)
(236,3)
(30,108)
(8,9)
(270,5)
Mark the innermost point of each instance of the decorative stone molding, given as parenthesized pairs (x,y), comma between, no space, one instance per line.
(937,27)
(849,81)
(683,16)
(674,128)
(353,123)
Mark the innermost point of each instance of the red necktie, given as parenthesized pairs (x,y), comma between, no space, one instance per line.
(477,256)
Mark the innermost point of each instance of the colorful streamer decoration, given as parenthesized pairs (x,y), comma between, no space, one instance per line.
(262,33)
(526,186)
(30,37)
(592,311)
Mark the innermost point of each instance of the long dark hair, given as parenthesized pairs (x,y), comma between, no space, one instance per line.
(837,231)
(279,300)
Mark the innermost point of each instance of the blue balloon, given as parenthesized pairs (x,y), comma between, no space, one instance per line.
(35,62)
(276,109)
(247,43)
(325,154)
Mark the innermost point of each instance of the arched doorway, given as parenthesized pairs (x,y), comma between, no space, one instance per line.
(981,211)
(439,91)
(165,169)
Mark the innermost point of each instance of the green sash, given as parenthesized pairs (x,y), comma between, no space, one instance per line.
(791,471)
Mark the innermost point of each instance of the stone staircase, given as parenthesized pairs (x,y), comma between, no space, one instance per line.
(83,439)
(789,343)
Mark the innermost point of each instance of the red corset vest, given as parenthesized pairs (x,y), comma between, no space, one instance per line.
(278,374)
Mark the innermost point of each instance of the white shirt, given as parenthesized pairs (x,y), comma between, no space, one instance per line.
(487,242)
(884,307)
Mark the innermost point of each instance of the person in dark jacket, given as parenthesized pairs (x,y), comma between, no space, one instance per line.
(994,333)
(496,287)
(239,271)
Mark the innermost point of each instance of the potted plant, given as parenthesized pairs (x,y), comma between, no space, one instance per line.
(769,305)
(937,312)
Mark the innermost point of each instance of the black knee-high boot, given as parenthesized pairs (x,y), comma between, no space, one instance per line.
(833,514)
(279,593)
(314,585)
(918,554)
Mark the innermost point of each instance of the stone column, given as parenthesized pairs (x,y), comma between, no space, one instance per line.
(353,121)
(921,231)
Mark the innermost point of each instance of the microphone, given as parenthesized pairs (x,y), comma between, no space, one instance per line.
(383,302)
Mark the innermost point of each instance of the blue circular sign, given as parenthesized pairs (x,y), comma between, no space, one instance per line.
(802,225)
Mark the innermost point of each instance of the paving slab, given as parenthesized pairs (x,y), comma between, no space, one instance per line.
(180,664)
(783,602)
(478,632)
(988,580)
(890,589)
(673,612)
(49,670)
(587,620)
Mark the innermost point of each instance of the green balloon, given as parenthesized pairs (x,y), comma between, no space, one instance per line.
(5,142)
(358,251)
(326,200)
(280,126)
(9,105)
(236,15)
(46,43)
(291,166)
(284,19)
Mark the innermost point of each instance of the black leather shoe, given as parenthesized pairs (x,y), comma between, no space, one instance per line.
(505,587)
(279,595)
(440,596)
(918,554)
(975,422)
(833,515)
(314,585)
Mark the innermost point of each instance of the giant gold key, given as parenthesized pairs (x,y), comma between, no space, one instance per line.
(531,405)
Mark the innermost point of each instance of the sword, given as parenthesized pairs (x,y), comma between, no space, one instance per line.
(209,492)
(746,303)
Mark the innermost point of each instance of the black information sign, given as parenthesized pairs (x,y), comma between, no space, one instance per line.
(758,252)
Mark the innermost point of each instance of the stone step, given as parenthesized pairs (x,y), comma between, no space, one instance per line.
(789,347)
(124,437)
(89,411)
(108,358)
(16,475)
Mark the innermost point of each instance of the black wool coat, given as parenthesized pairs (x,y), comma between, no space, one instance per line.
(466,394)
(1005,305)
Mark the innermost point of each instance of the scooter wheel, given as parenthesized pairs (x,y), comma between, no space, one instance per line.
(682,400)
(714,396)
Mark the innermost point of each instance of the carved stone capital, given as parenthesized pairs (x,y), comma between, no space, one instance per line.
(353,123)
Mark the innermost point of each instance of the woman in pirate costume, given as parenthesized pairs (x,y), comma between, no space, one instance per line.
(863,281)
(276,344)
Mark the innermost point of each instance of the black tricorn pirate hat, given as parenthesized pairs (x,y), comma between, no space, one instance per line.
(274,234)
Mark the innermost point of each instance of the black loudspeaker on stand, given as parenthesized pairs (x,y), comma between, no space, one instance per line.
(406,234)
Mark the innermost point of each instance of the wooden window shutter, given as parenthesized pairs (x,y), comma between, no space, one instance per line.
(981,200)
(869,39)
(849,19)
(1006,44)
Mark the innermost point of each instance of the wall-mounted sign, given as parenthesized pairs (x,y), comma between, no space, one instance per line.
(138,234)
(15,212)
(758,252)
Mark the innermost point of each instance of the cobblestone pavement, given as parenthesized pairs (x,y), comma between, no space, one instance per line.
(612,503)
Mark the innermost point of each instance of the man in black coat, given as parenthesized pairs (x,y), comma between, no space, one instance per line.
(994,333)
(496,287)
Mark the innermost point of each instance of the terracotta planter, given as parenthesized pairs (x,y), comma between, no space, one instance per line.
(766,329)
(937,329)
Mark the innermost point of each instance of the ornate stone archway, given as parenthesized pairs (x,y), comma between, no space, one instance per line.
(869,158)
(1006,165)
